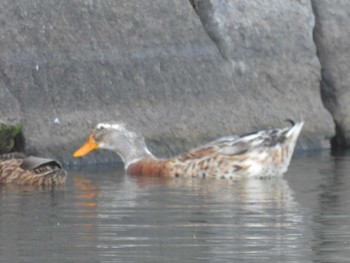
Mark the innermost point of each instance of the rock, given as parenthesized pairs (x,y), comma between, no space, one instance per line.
(179,77)
(332,33)
(10,111)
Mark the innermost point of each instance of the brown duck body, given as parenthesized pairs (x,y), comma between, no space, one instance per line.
(209,162)
(265,153)
(148,167)
(16,168)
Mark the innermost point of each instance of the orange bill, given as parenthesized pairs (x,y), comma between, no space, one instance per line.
(88,147)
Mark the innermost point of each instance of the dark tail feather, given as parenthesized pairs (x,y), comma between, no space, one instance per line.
(290,121)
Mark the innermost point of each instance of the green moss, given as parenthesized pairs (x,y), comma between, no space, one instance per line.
(7,135)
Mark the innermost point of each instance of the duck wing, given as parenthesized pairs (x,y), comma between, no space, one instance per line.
(262,139)
(42,167)
(229,145)
(33,163)
(237,145)
(18,169)
(197,153)
(247,142)
(208,149)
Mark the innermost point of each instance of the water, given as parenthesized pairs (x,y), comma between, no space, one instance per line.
(103,215)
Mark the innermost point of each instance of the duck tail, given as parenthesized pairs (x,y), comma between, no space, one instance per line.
(295,130)
(292,135)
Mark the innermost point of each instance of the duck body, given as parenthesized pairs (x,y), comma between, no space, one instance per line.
(16,168)
(259,154)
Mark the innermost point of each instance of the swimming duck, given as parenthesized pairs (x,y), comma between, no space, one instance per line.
(16,168)
(263,153)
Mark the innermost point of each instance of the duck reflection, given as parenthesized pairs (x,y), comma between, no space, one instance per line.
(250,217)
(195,218)
(86,204)
(86,194)
(332,211)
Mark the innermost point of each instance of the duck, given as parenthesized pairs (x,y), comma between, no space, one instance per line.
(17,168)
(260,154)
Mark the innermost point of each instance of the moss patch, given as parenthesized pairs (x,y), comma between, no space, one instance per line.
(7,135)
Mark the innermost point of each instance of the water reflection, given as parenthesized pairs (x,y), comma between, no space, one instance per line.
(104,215)
(85,203)
(25,214)
(198,219)
(332,227)
(322,186)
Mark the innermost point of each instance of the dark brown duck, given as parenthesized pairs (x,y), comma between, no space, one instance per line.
(16,168)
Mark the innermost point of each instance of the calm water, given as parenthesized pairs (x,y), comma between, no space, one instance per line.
(102,215)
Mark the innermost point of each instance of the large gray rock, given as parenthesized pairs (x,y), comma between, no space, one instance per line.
(332,36)
(180,79)
(10,112)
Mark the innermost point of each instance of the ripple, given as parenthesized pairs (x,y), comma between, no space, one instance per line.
(107,216)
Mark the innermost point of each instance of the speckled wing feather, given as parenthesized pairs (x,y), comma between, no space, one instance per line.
(263,153)
(233,145)
(247,142)
(207,149)
(197,153)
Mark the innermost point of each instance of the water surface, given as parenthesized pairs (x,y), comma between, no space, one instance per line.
(103,215)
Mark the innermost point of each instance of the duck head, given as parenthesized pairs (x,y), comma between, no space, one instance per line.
(129,145)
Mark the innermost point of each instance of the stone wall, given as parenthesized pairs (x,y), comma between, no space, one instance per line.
(181,75)
(332,37)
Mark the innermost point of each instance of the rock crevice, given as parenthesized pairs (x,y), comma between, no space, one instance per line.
(329,20)
(331,36)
